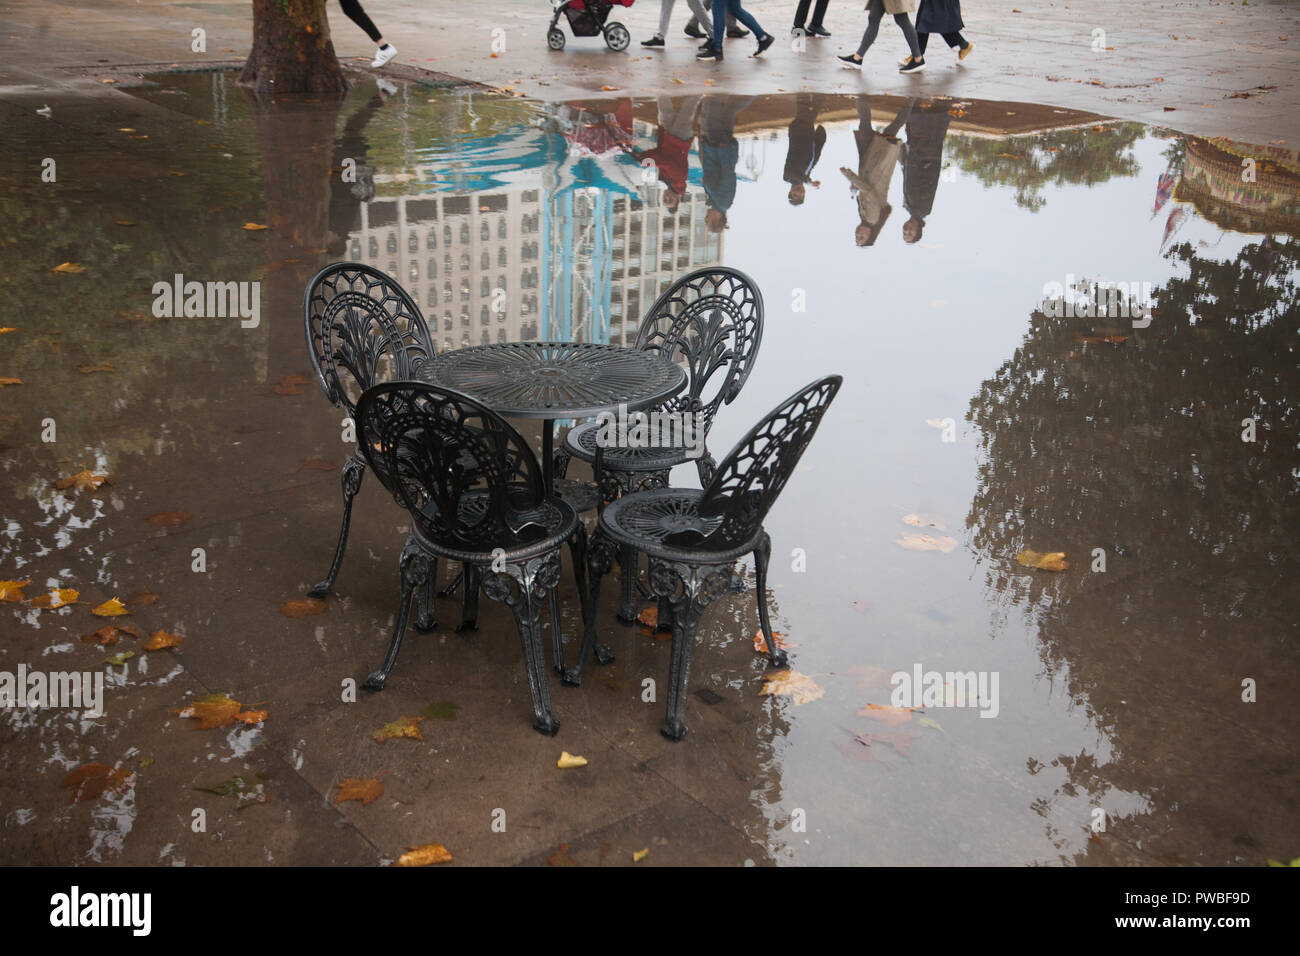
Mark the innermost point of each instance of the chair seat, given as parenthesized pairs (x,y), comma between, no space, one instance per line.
(580,443)
(543,529)
(645,519)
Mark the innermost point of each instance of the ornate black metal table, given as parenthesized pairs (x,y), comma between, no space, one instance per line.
(553,380)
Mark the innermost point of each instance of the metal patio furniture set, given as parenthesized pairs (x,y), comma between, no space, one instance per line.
(433,430)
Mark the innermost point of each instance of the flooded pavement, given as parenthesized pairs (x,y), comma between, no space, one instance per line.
(1132,707)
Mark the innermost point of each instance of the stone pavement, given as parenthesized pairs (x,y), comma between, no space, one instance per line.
(1216,69)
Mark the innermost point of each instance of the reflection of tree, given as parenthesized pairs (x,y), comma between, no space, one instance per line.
(1135,446)
(1063,157)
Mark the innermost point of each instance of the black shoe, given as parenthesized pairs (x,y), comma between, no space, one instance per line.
(818,32)
(737,33)
(764,43)
(706,45)
(850,60)
(653,41)
(709,53)
(913,66)
(692,31)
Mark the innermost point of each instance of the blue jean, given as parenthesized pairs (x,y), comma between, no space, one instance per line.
(733,8)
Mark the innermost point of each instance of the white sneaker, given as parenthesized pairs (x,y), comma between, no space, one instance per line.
(383,56)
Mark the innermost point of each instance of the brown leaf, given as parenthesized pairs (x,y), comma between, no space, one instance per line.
(160,640)
(927,542)
(428,854)
(68,267)
(10,381)
(91,780)
(353,788)
(561,857)
(888,714)
(141,598)
(408,727)
(790,683)
(110,634)
(168,519)
(289,385)
(303,607)
(58,597)
(11,592)
(253,227)
(760,645)
(252,717)
(211,711)
(1049,561)
(97,367)
(84,480)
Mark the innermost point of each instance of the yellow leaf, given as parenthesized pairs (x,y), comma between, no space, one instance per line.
(305,607)
(84,480)
(251,717)
(161,640)
(59,597)
(124,222)
(790,683)
(90,369)
(71,267)
(568,760)
(7,329)
(1049,561)
(211,710)
(253,227)
(430,853)
(926,542)
(110,608)
(399,728)
(12,591)
(760,645)
(353,788)
(10,381)
(640,855)
(887,714)
(930,722)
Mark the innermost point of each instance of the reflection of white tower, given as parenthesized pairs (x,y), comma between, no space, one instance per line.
(576,265)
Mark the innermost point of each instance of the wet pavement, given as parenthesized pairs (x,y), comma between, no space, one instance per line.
(975,423)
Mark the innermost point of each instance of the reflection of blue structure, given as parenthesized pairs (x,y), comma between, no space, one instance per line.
(474,165)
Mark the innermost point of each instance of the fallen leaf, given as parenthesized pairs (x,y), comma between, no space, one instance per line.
(253,227)
(353,788)
(168,519)
(124,222)
(930,722)
(97,367)
(84,480)
(760,645)
(561,857)
(68,267)
(887,713)
(10,381)
(12,591)
(923,521)
(303,607)
(608,88)
(399,728)
(640,855)
(58,597)
(1049,561)
(110,608)
(251,717)
(568,760)
(430,853)
(926,542)
(91,780)
(160,640)
(790,683)
(649,617)
(109,634)
(7,329)
(119,659)
(211,711)
(141,598)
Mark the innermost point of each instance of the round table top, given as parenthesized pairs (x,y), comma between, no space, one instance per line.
(556,379)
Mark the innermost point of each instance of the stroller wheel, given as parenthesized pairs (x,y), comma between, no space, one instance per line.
(616,36)
(555,38)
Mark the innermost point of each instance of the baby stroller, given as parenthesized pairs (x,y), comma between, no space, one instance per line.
(587,18)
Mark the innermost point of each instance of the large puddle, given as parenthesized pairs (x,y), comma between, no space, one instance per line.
(924,249)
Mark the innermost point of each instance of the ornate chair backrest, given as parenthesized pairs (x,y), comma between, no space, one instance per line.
(751,477)
(362,328)
(713,320)
(468,479)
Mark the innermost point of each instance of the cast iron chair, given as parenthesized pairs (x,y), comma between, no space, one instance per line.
(711,319)
(693,538)
(475,495)
(362,328)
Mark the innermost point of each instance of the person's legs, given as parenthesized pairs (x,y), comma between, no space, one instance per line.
(876,11)
(801,13)
(819,12)
(953,39)
(701,16)
(921,40)
(719,27)
(358,16)
(740,13)
(665,14)
(905,24)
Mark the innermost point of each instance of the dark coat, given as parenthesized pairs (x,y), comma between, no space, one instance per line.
(926,130)
(806,143)
(939,16)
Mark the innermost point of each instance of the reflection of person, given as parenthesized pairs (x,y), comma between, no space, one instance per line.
(671,154)
(806,142)
(943,17)
(701,16)
(900,9)
(878,154)
(815,28)
(347,194)
(358,16)
(719,153)
(927,126)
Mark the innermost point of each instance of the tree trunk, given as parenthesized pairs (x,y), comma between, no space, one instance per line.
(292,51)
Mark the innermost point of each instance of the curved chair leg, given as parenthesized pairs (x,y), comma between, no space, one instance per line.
(426,613)
(628,559)
(469,600)
(560,463)
(413,571)
(600,558)
(694,590)
(762,554)
(450,589)
(523,587)
(353,472)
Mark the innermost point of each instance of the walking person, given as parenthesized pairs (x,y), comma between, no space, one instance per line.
(358,16)
(701,16)
(900,10)
(927,127)
(734,30)
(815,28)
(878,154)
(807,140)
(719,153)
(672,152)
(942,17)
(713,49)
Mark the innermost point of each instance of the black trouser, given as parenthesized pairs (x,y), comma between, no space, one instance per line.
(819,11)
(358,16)
(953,39)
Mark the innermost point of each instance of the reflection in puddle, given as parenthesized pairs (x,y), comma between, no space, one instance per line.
(910,244)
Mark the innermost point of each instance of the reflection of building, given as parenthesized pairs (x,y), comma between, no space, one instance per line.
(1251,189)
